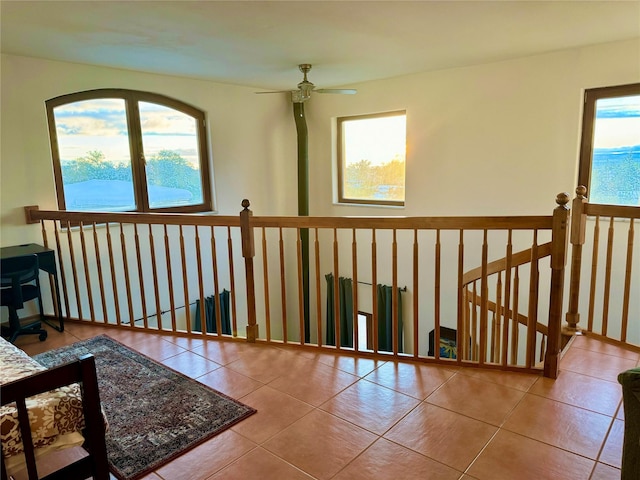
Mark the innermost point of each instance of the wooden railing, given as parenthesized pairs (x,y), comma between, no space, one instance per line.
(605,280)
(146,272)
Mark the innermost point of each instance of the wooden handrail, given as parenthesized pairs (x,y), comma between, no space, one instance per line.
(500,265)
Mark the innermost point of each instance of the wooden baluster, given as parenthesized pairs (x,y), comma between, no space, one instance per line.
(474,324)
(492,339)
(532,320)
(318,289)
(203,309)
(559,239)
(484,301)
(265,280)
(232,285)
(416,290)
(74,270)
(154,272)
(463,342)
(167,253)
(627,283)
(216,284)
(248,252)
(63,281)
(143,299)
(283,290)
(374,288)
(594,273)
(96,246)
(461,308)
(87,277)
(395,337)
(498,322)
(578,227)
(607,280)
(114,283)
(507,298)
(185,283)
(127,280)
(515,322)
(336,290)
(354,286)
(301,331)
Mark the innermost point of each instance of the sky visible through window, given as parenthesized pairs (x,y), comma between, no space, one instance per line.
(373,158)
(615,172)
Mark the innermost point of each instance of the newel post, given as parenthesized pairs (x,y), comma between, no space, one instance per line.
(559,244)
(248,252)
(578,228)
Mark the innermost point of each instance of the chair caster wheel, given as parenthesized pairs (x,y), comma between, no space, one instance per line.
(42,337)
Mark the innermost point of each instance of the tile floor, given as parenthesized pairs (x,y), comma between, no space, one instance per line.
(322,416)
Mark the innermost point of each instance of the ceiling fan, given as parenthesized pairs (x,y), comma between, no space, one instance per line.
(305,87)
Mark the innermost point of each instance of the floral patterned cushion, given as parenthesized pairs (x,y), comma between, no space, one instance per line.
(51,414)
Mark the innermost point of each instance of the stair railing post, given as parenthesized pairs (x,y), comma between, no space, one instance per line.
(248,252)
(559,244)
(578,228)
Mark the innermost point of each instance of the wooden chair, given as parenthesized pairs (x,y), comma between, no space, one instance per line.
(82,371)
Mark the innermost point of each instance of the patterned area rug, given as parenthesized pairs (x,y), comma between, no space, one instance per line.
(155,414)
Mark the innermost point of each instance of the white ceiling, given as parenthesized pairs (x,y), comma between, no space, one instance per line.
(260,43)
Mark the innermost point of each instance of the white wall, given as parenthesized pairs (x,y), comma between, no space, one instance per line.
(253,138)
(492,139)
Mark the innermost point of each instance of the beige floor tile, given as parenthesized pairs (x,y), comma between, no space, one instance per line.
(387,460)
(413,379)
(158,349)
(485,401)
(265,363)
(443,435)
(190,364)
(314,383)
(577,389)
(519,381)
(565,426)
(260,464)
(605,472)
(33,346)
(353,365)
(511,456)
(612,452)
(320,444)
(275,412)
(229,382)
(595,364)
(207,458)
(589,343)
(186,343)
(370,406)
(220,351)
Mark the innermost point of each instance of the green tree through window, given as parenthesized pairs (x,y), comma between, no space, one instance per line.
(124,150)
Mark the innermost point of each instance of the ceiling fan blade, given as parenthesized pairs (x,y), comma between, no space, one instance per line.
(277,91)
(343,91)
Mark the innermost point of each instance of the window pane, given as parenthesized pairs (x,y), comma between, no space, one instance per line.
(373,158)
(170,144)
(615,169)
(93,145)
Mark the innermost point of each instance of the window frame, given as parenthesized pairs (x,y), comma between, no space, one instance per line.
(340,160)
(138,162)
(591,96)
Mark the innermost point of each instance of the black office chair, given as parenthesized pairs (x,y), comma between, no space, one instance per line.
(20,283)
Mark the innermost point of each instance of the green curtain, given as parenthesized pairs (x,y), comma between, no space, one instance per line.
(210,314)
(345,299)
(385,319)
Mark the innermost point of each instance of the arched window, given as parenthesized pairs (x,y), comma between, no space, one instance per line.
(124,150)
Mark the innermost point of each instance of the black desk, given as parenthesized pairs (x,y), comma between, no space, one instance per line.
(47,263)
